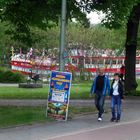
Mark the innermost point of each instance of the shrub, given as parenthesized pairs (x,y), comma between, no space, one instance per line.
(7,76)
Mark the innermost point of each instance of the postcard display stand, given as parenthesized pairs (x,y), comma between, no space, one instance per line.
(59,94)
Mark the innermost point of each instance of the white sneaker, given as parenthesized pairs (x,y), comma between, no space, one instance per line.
(99,119)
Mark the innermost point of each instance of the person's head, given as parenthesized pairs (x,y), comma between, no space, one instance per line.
(116,76)
(101,71)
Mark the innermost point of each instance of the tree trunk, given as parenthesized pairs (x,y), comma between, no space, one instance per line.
(131,46)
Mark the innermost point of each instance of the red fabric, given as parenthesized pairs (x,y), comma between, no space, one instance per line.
(122,70)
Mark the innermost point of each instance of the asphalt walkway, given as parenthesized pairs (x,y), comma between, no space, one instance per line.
(43,102)
(122,131)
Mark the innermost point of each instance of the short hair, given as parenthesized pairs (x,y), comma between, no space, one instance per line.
(117,74)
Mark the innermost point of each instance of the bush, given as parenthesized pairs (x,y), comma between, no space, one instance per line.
(7,76)
(133,93)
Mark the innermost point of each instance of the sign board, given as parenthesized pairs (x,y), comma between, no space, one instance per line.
(58,96)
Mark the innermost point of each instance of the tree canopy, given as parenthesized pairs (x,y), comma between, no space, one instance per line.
(116,12)
(96,36)
(22,14)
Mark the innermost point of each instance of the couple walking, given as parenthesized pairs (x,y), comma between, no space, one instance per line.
(100,86)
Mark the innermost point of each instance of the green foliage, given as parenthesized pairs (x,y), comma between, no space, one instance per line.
(12,116)
(23,18)
(96,36)
(116,12)
(23,93)
(7,76)
(3,37)
(80,110)
(22,14)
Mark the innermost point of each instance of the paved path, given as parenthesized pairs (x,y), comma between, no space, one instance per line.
(42,102)
(16,84)
(82,127)
(8,85)
(123,131)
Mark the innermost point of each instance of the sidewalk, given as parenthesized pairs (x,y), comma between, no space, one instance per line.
(17,84)
(43,102)
(83,125)
(8,85)
(123,131)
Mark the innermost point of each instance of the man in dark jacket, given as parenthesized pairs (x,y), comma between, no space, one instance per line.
(116,96)
(99,87)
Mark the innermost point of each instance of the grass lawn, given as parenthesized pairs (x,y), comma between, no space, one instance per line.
(23,93)
(138,82)
(12,116)
(80,91)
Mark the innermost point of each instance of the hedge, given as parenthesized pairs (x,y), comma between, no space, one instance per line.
(7,76)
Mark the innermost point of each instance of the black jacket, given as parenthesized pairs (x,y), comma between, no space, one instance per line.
(120,89)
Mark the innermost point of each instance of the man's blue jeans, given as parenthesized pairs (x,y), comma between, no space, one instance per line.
(99,103)
(116,103)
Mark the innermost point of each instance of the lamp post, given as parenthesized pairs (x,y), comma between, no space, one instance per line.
(62,36)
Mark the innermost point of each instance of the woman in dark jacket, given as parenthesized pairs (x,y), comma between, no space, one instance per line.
(116,96)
